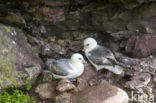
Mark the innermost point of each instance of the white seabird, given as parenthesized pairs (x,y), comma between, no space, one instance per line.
(101,57)
(67,68)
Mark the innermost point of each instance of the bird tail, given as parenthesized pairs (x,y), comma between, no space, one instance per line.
(50,61)
(116,69)
(119,70)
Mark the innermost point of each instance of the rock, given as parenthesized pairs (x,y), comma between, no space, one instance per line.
(92,82)
(63,98)
(46,76)
(130,4)
(50,14)
(101,94)
(65,85)
(54,3)
(114,46)
(140,46)
(149,25)
(121,34)
(45,90)
(139,81)
(123,44)
(99,19)
(146,65)
(76,46)
(143,10)
(13,19)
(82,2)
(81,84)
(52,50)
(19,65)
(89,75)
(155,78)
(129,61)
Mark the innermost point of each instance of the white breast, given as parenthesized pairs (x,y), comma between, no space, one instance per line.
(77,69)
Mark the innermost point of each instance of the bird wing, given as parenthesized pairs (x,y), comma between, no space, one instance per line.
(59,67)
(102,56)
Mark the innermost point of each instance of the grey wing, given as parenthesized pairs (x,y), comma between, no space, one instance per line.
(59,67)
(102,56)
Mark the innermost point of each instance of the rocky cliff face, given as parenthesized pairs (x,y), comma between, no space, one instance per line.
(60,17)
(31,30)
(77,19)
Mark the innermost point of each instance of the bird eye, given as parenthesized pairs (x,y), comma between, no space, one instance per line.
(80,59)
(87,45)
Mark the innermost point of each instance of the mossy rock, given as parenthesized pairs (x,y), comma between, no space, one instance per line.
(19,65)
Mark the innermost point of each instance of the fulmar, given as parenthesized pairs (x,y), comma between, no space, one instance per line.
(66,68)
(101,57)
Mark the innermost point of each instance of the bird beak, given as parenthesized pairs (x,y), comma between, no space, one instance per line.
(83,49)
(84,62)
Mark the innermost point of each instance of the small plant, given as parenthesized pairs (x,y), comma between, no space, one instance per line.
(15,96)
(28,87)
(53,79)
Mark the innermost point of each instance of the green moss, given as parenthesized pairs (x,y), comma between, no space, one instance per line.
(15,96)
(6,76)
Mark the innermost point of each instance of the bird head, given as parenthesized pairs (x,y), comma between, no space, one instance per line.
(89,44)
(77,58)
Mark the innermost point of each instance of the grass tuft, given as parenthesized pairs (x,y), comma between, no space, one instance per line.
(15,96)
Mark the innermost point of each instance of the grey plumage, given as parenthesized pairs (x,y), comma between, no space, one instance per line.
(66,68)
(58,67)
(101,56)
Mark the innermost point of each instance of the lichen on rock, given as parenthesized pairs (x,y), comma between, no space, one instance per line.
(15,59)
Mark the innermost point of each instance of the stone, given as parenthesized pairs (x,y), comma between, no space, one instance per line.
(50,14)
(65,85)
(14,19)
(63,98)
(19,64)
(146,65)
(49,49)
(76,46)
(130,4)
(45,90)
(155,78)
(46,76)
(101,94)
(140,46)
(92,82)
(54,3)
(139,81)
(86,77)
(81,84)
(129,61)
(143,10)
(149,25)
(82,2)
